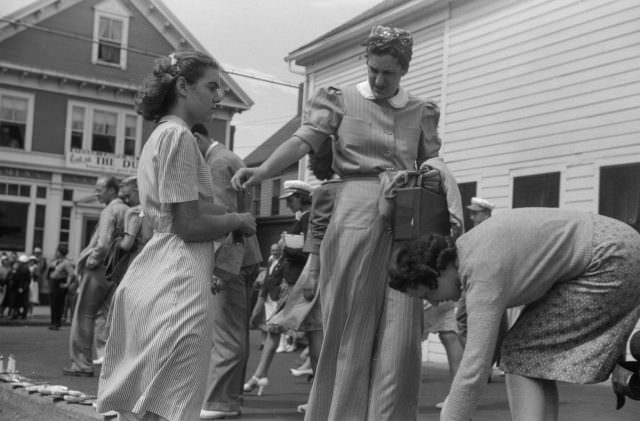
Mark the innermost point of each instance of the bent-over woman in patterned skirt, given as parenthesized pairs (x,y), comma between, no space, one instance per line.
(576,273)
(157,354)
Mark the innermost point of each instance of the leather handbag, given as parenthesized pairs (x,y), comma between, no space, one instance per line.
(420,206)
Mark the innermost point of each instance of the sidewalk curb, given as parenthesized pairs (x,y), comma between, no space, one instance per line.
(45,407)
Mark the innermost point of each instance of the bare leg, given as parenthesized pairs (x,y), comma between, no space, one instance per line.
(452,344)
(271,342)
(532,399)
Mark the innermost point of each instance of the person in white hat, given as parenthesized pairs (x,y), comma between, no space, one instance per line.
(480,210)
(295,187)
(297,194)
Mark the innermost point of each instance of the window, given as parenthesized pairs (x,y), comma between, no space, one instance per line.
(38,226)
(275,198)
(65,225)
(103,138)
(16,114)
(103,129)
(130,135)
(255,199)
(467,191)
(67,195)
(77,127)
(11,189)
(109,40)
(41,192)
(110,34)
(540,190)
(620,193)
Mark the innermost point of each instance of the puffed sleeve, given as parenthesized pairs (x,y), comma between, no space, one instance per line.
(177,157)
(322,116)
(429,140)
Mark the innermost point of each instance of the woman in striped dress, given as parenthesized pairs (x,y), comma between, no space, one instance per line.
(369,364)
(157,354)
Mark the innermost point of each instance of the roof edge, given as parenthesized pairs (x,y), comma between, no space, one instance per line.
(350,32)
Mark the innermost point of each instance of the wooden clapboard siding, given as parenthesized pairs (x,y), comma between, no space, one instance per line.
(538,83)
(424,78)
(347,72)
(525,87)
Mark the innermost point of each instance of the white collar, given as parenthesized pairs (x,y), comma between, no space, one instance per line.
(399,100)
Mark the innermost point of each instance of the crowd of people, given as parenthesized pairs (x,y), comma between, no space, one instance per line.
(168,279)
(21,279)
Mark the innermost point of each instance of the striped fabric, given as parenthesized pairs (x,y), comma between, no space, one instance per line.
(158,350)
(369,366)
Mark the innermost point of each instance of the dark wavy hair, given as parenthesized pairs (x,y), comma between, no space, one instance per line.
(158,93)
(420,262)
(320,161)
(403,60)
(305,199)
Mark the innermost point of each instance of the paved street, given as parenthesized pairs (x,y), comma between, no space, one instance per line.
(41,353)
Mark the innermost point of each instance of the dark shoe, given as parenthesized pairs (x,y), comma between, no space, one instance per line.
(77,373)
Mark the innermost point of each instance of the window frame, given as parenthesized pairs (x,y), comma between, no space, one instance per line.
(87,129)
(605,163)
(28,132)
(98,14)
(276,186)
(541,171)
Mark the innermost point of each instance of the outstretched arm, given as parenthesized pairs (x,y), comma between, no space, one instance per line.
(284,156)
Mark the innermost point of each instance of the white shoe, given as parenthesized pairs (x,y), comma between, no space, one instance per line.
(99,361)
(303,408)
(256,383)
(301,372)
(217,415)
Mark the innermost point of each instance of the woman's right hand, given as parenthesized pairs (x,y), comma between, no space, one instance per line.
(246,177)
(247,223)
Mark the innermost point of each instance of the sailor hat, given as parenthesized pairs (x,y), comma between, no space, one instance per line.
(478,204)
(292,187)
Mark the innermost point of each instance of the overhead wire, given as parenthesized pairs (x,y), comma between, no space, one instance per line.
(80,37)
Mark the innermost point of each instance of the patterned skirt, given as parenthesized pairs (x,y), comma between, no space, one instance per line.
(298,313)
(579,328)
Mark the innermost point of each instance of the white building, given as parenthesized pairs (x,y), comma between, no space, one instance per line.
(539,99)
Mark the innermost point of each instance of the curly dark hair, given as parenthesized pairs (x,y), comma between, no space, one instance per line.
(420,261)
(321,161)
(157,94)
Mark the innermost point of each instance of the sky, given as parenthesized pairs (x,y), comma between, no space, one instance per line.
(254,36)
